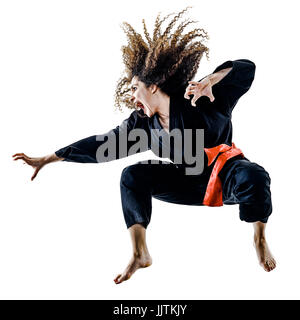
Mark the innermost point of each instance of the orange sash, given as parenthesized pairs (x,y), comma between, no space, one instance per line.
(213,195)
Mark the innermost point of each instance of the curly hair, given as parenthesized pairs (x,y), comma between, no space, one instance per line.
(168,59)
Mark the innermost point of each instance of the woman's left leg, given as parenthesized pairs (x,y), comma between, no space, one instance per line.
(263,252)
(248,184)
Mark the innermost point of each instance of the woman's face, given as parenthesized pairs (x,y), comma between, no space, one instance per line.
(142,96)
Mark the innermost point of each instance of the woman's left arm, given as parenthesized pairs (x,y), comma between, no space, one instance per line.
(204,86)
(225,85)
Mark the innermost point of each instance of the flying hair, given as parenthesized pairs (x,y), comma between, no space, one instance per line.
(167,59)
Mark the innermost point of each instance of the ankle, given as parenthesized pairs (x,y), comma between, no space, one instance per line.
(140,252)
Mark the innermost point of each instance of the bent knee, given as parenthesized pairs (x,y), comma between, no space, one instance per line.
(134,175)
(253,183)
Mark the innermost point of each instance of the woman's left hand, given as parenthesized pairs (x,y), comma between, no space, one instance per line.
(198,89)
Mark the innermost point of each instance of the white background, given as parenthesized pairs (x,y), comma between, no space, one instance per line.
(63,235)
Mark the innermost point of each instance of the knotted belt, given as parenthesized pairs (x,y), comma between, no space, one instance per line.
(213,195)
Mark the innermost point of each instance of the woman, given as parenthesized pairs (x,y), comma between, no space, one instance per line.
(157,86)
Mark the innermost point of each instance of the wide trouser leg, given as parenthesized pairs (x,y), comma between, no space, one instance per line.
(164,181)
(248,184)
(243,182)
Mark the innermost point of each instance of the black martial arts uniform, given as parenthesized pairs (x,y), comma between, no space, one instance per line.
(243,182)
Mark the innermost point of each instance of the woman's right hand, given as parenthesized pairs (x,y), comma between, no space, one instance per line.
(36,163)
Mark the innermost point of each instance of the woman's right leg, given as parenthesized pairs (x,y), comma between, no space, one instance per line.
(139,182)
(141,257)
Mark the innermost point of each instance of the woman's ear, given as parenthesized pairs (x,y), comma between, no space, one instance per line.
(153,88)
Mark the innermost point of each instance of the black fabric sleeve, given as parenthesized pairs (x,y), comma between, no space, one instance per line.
(236,83)
(85,150)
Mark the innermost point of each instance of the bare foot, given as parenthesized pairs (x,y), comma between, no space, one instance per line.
(135,263)
(264,255)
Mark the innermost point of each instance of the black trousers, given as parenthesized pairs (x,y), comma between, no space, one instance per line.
(243,182)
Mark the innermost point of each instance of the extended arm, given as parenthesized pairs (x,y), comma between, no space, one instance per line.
(104,147)
(92,149)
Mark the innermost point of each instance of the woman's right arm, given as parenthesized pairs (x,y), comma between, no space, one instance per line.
(87,150)
(105,147)
(53,158)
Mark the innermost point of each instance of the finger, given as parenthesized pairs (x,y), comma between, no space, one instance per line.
(194,82)
(18,154)
(22,158)
(193,102)
(187,93)
(191,87)
(198,87)
(25,156)
(208,92)
(28,161)
(34,175)
(17,158)
(21,155)
(211,97)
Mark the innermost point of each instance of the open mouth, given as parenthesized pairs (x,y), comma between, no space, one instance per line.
(140,105)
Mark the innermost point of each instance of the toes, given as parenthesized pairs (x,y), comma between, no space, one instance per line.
(269,265)
(134,264)
(272,264)
(116,280)
(265,266)
(120,278)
